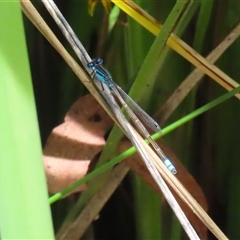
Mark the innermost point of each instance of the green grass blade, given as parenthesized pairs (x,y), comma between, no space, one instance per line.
(142,91)
(132,150)
(25,212)
(153,62)
(203,21)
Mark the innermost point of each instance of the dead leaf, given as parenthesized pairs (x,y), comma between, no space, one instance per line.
(73,144)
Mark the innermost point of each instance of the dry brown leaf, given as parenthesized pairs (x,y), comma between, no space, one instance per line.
(73,144)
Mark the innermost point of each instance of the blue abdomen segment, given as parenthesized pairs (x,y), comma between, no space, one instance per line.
(169,165)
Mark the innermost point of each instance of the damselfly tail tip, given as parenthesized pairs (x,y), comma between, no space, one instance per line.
(170,166)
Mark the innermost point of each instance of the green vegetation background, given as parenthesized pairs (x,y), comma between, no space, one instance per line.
(208,146)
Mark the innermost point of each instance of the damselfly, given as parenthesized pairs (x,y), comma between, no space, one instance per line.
(134,111)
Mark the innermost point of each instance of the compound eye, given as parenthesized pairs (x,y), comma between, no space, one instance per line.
(90,65)
(99,61)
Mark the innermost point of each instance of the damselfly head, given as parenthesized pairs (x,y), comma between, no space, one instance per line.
(94,63)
